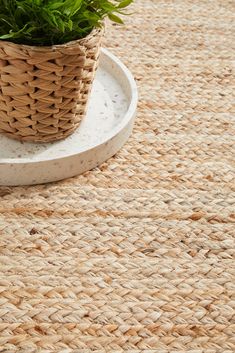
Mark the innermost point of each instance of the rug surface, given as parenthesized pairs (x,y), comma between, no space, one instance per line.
(138,255)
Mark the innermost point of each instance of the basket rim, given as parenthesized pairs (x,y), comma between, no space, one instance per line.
(95,32)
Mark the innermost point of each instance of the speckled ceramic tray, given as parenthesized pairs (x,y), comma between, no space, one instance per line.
(103,131)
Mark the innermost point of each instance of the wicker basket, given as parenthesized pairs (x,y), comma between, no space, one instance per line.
(44,90)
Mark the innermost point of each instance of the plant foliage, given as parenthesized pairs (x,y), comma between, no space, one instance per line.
(47,22)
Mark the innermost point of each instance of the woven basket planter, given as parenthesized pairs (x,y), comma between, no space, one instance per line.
(44,90)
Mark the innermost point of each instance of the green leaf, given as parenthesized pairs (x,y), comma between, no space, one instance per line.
(55,5)
(7,36)
(115,18)
(71,7)
(46,22)
(6,21)
(61,25)
(124,3)
(70,25)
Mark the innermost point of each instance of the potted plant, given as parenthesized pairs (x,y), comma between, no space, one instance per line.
(49,51)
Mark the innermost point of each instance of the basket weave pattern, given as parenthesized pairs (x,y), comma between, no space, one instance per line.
(44,90)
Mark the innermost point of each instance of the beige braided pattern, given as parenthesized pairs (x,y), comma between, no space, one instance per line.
(137,256)
(44,90)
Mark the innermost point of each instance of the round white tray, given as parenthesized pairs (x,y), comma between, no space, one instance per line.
(103,131)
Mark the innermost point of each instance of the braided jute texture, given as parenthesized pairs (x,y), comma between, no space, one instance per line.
(137,255)
(44,90)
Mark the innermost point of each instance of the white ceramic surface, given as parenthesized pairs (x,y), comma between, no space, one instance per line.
(102,133)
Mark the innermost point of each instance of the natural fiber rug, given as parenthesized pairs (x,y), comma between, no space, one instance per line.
(137,255)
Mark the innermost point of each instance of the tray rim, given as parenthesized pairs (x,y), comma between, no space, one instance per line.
(126,119)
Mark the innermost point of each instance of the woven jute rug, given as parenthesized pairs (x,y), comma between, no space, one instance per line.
(137,255)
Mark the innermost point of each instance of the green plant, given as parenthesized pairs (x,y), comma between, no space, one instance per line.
(47,22)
